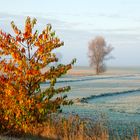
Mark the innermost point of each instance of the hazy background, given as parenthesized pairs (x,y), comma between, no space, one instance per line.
(76,22)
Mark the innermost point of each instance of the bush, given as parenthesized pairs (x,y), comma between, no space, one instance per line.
(22,102)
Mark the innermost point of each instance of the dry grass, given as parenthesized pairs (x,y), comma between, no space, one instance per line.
(72,128)
(88,71)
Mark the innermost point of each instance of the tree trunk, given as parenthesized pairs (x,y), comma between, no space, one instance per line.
(97,69)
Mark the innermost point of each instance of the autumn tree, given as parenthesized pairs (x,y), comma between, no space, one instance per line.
(59,56)
(98,53)
(22,101)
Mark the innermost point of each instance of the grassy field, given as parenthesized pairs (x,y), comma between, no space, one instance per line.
(107,104)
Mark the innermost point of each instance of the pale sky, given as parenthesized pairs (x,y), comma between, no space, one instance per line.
(78,21)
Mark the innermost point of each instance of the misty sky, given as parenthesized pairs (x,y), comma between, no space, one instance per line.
(78,21)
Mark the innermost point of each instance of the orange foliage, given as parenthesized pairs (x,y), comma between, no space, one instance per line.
(22,101)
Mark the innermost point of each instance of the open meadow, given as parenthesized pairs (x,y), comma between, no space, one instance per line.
(112,97)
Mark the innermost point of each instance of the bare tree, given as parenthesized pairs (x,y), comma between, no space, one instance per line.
(98,53)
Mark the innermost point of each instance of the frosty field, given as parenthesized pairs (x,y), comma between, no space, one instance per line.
(113,97)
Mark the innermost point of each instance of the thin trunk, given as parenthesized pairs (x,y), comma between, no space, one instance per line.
(97,69)
(29,55)
(29,58)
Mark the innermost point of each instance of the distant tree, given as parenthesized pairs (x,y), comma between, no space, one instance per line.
(99,52)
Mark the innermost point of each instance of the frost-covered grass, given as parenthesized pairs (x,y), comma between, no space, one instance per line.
(119,113)
(117,96)
(91,85)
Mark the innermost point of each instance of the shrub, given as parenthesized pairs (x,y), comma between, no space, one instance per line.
(22,102)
